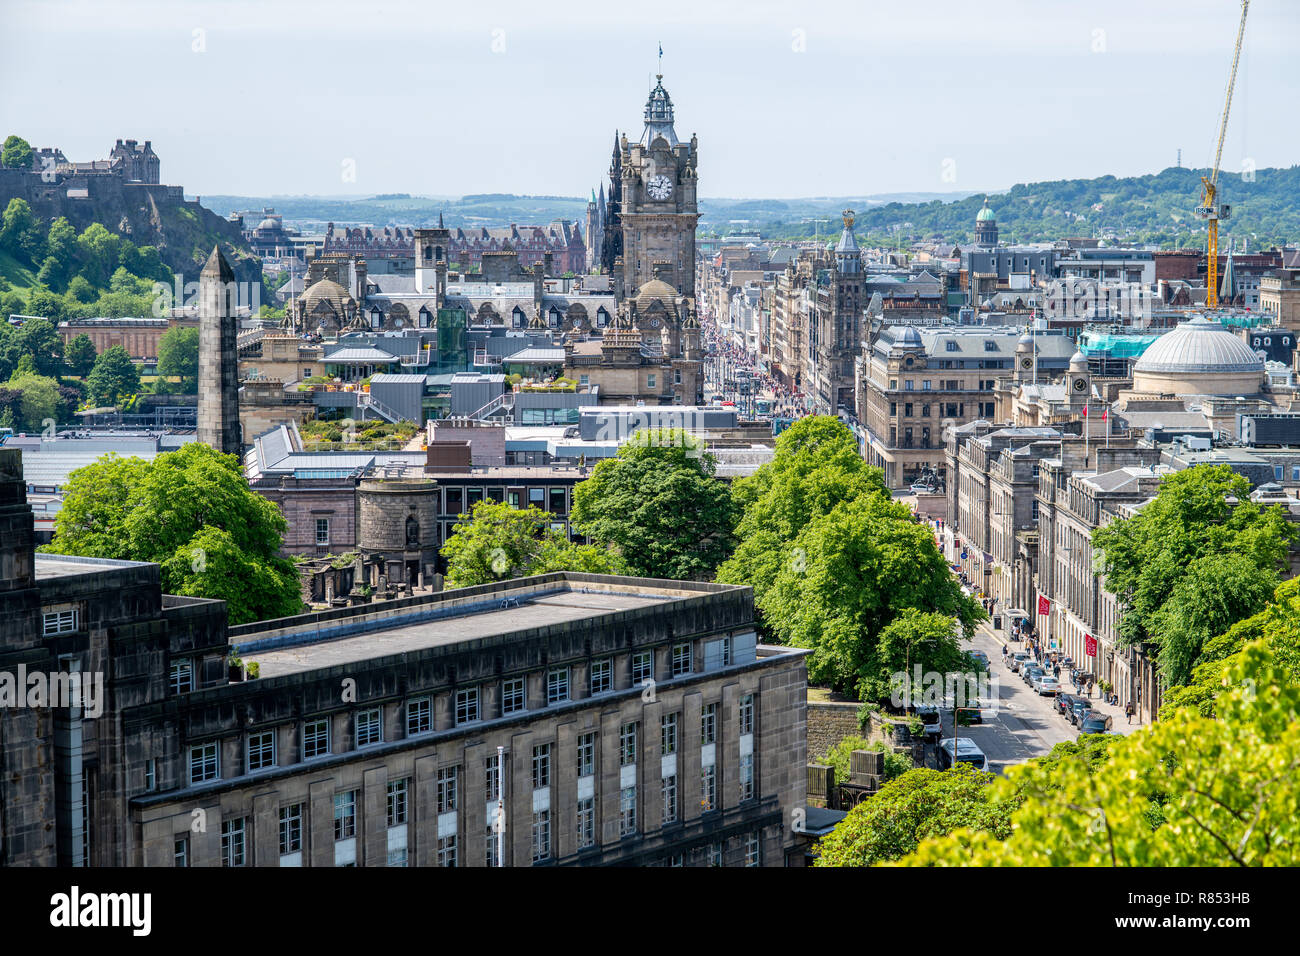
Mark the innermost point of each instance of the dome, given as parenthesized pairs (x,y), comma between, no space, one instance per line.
(1199,357)
(268,223)
(1026,339)
(1079,361)
(329,291)
(1199,346)
(655,289)
(908,337)
(986,213)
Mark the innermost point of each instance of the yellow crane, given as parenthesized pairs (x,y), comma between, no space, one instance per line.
(1210,208)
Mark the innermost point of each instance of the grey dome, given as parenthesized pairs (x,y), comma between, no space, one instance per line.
(1026,339)
(1079,361)
(1199,345)
(908,336)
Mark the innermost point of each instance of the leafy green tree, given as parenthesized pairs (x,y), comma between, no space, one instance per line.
(80,355)
(499,542)
(916,637)
(16,154)
(816,467)
(1187,790)
(190,510)
(178,355)
(840,758)
(39,402)
(41,340)
(1160,555)
(81,290)
(659,505)
(919,804)
(61,243)
(113,377)
(98,250)
(46,304)
(851,572)
(21,234)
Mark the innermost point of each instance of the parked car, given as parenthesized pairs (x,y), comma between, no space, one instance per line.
(1063,703)
(955,750)
(1095,722)
(1047,686)
(1030,672)
(1018,658)
(931,718)
(1078,709)
(980,658)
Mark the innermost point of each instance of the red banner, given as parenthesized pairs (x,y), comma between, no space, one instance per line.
(1089,645)
(1044,606)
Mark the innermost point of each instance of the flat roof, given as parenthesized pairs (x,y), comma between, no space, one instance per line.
(49,566)
(473,622)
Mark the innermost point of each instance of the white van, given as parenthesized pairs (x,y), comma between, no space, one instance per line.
(955,750)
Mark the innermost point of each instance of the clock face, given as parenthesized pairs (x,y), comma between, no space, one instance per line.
(1026,363)
(1080,385)
(659,187)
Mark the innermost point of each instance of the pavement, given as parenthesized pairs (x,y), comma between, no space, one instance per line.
(1022,724)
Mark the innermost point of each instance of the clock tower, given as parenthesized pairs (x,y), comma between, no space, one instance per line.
(659,208)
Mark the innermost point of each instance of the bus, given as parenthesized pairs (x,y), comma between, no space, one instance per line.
(763,407)
(955,750)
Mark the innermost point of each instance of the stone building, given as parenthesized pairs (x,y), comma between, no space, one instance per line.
(523,702)
(835,332)
(1279,293)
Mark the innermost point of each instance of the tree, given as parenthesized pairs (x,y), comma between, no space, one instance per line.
(178,355)
(660,506)
(1155,556)
(21,234)
(80,355)
(41,340)
(1187,790)
(98,250)
(815,468)
(16,154)
(921,803)
(917,637)
(39,402)
(46,304)
(192,512)
(113,377)
(499,542)
(851,572)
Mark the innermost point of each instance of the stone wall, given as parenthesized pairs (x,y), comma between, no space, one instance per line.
(829,723)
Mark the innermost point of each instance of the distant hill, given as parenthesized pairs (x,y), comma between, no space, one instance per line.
(1148,209)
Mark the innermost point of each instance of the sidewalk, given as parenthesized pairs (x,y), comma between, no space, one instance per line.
(1118,718)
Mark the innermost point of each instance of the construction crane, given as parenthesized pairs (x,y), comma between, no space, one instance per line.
(1210,208)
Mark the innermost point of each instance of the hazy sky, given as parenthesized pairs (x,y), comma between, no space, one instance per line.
(788,99)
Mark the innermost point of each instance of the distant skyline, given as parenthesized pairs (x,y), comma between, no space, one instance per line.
(817,99)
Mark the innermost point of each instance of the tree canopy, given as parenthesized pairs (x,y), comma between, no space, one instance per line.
(178,355)
(1192,562)
(659,505)
(16,153)
(113,377)
(192,512)
(499,542)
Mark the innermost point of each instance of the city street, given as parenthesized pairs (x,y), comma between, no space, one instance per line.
(1024,724)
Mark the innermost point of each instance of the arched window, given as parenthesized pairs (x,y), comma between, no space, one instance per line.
(428,253)
(376,318)
(426,317)
(553,318)
(602,317)
(517,318)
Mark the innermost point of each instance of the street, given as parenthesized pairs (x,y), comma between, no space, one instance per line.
(1024,724)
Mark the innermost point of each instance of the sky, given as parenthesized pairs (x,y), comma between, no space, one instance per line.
(790,99)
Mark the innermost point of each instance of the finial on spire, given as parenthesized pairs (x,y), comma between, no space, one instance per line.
(848,218)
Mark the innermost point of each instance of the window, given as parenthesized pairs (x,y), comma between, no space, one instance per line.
(602,676)
(261,750)
(232,843)
(182,676)
(650,380)
(627,812)
(907,409)
(747,777)
(61,622)
(204,763)
(541,836)
(642,667)
(586,822)
(668,734)
(151,774)
(925,385)
(466,705)
(627,745)
(491,856)
(715,854)
(370,727)
(291,829)
(990,345)
(345,815)
(323,531)
(181,851)
(512,695)
(747,714)
(951,346)
(681,659)
(709,789)
(907,385)
(557,685)
(1277,472)
(397,791)
(668,788)
(709,724)
(492,783)
(751,849)
(1295,472)
(893,408)
(557,502)
(315,738)
(586,755)
(447,851)
(541,766)
(448,784)
(537,498)
(419,716)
